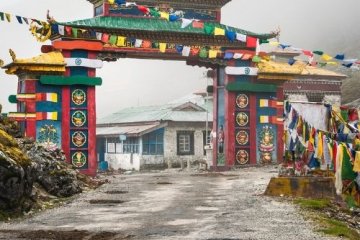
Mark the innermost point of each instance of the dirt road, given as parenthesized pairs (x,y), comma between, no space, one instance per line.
(171,205)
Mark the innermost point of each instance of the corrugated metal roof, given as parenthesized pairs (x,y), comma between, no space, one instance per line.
(161,113)
(127,130)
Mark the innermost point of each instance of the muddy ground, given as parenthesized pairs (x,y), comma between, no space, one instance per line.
(171,205)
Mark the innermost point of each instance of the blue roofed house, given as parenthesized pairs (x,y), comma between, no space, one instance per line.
(152,137)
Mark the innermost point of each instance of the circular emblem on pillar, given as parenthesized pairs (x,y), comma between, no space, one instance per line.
(247,71)
(78,159)
(242,101)
(242,137)
(242,157)
(78,138)
(78,96)
(78,61)
(78,118)
(242,119)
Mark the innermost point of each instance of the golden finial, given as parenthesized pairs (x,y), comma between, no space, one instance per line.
(12,54)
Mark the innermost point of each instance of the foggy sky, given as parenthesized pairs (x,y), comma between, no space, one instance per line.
(311,24)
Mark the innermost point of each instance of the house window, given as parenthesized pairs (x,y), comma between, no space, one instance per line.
(99,10)
(185,143)
(131,145)
(153,143)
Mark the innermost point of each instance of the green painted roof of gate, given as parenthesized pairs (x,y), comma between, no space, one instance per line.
(151,24)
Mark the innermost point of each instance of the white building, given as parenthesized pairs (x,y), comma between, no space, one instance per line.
(155,136)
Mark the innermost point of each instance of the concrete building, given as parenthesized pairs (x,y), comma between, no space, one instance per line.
(155,136)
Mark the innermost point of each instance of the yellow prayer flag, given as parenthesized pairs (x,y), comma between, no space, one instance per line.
(213,53)
(165,15)
(273,43)
(111,1)
(52,97)
(121,42)
(162,47)
(219,31)
(326,57)
(332,63)
(8,17)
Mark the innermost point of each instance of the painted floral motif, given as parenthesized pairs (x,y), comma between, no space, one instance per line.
(78,118)
(78,159)
(78,138)
(242,157)
(242,119)
(242,101)
(78,96)
(48,137)
(242,137)
(266,144)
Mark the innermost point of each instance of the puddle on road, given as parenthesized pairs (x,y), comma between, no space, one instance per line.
(116,192)
(163,183)
(106,201)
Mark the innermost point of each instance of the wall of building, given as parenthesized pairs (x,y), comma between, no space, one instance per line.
(118,161)
(170,143)
(152,162)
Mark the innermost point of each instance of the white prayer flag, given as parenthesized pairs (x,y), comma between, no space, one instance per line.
(186,22)
(98,36)
(238,55)
(138,43)
(61,29)
(241,37)
(186,51)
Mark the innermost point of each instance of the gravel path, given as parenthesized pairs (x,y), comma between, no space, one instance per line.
(171,205)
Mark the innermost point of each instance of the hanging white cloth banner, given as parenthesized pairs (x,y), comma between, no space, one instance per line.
(83,62)
(250,71)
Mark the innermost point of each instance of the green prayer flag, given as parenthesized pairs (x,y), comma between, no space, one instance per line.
(2,16)
(203,53)
(74,32)
(113,39)
(322,64)
(318,52)
(154,13)
(345,115)
(209,29)
(256,59)
(263,41)
(347,172)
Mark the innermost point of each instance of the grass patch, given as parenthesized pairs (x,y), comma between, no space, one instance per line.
(314,204)
(336,228)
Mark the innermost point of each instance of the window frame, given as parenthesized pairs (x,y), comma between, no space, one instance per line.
(180,151)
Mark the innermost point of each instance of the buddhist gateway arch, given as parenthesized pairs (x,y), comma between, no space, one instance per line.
(56,90)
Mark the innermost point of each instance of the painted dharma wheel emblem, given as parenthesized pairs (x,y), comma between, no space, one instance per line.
(78,118)
(78,138)
(78,96)
(78,159)
(242,157)
(242,137)
(78,61)
(242,119)
(242,101)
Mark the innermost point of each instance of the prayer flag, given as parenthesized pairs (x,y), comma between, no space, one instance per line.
(198,24)
(219,31)
(113,39)
(61,30)
(203,53)
(274,43)
(179,48)
(121,41)
(186,51)
(209,29)
(162,47)
(98,36)
(283,46)
(165,15)
(256,59)
(241,37)
(340,56)
(138,43)
(173,18)
(2,16)
(230,35)
(19,19)
(8,17)
(318,52)
(105,38)
(26,20)
(229,55)
(326,57)
(246,56)
(251,42)
(308,53)
(238,55)
(263,41)
(213,53)
(291,61)
(194,51)
(185,22)
(68,30)
(74,32)
(143,9)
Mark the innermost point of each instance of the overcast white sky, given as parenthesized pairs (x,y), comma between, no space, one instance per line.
(312,24)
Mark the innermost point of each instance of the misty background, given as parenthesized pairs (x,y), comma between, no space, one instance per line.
(331,26)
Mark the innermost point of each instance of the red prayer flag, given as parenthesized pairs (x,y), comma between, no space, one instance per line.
(308,53)
(105,37)
(68,30)
(251,42)
(195,51)
(197,24)
(143,9)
